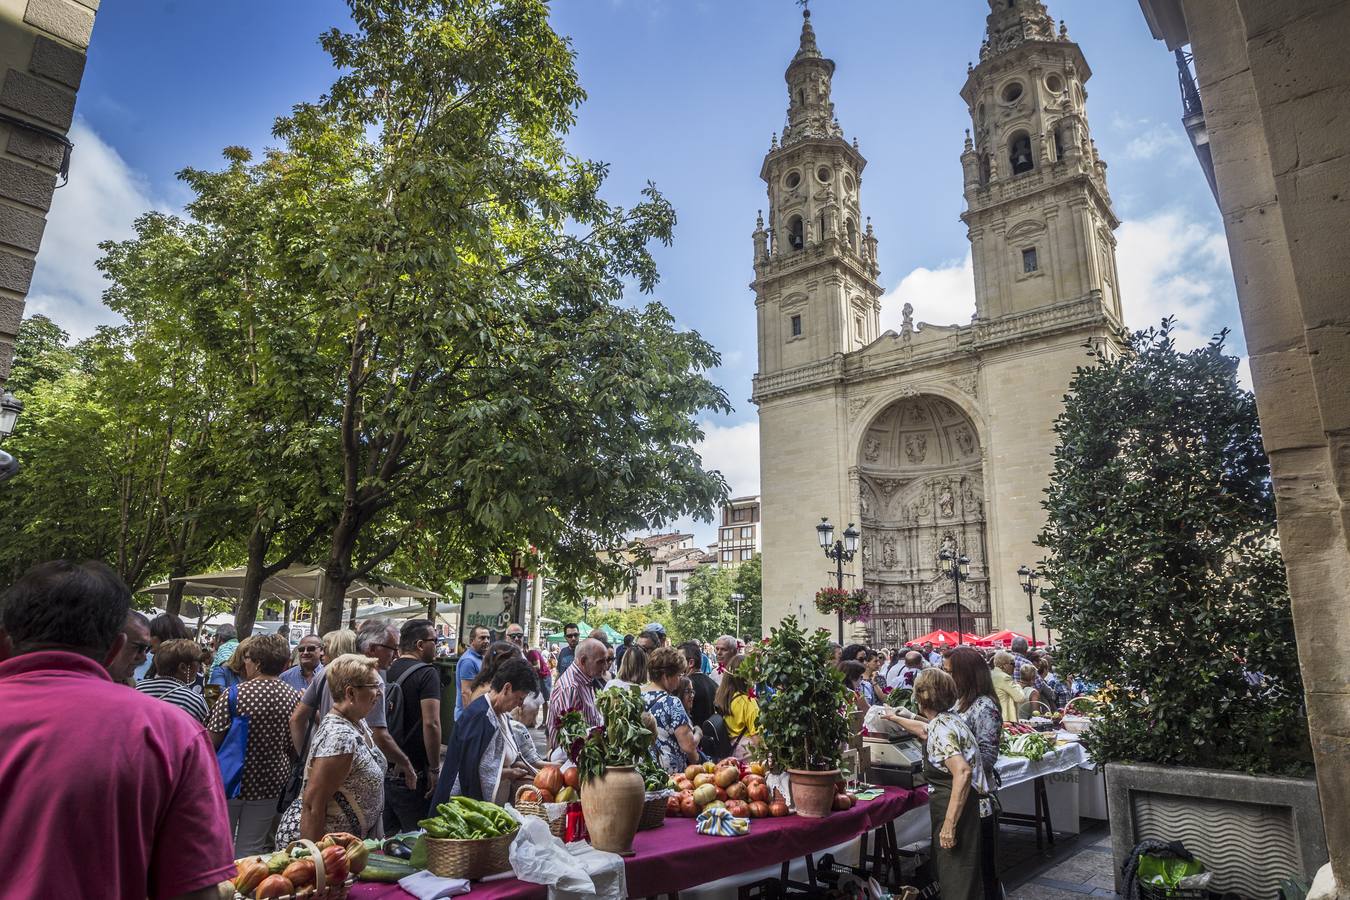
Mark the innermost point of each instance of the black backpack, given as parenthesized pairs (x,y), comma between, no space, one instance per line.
(717,742)
(394,699)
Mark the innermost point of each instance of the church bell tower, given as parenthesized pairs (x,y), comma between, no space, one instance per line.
(1037,208)
(816,291)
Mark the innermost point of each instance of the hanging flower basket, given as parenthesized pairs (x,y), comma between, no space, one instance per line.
(855,605)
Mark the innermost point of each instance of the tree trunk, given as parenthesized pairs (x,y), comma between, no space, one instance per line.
(173,603)
(254,576)
(337,570)
(331,598)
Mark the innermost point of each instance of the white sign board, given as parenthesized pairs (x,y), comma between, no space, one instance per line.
(488,602)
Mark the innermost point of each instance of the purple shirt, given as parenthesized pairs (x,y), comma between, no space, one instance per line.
(115,793)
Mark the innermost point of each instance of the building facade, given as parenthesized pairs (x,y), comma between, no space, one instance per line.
(650,582)
(939,436)
(740,533)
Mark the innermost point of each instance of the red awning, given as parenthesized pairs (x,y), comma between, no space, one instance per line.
(1004,638)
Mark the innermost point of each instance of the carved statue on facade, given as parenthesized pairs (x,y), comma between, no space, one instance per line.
(916,448)
(889,559)
(965,440)
(871,449)
(946,500)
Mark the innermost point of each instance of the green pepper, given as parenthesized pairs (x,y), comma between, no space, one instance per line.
(435,827)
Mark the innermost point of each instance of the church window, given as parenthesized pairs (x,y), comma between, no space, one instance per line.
(852,228)
(848,183)
(801,97)
(796,326)
(1029,263)
(795,240)
(858,328)
(823,174)
(1059,141)
(1054,83)
(793,179)
(981,113)
(984,169)
(1012,92)
(1019,153)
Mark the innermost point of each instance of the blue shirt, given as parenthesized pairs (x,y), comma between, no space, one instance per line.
(296,679)
(565,657)
(223,677)
(467,669)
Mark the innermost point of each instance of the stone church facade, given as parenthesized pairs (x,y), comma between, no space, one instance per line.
(939,435)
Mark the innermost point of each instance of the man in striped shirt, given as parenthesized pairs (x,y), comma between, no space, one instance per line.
(177,663)
(575,688)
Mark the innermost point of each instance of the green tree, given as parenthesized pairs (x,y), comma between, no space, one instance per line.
(748,582)
(42,353)
(452,277)
(1167,581)
(704,612)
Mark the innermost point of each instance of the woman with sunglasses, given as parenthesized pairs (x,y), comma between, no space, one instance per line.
(344,774)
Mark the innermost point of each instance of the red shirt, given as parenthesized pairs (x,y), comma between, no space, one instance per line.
(107,792)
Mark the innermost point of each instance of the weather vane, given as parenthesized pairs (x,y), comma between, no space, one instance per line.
(805,5)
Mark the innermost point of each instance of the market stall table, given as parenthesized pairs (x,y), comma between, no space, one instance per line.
(674,857)
(1017,770)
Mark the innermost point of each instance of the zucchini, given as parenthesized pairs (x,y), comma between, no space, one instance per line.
(385,869)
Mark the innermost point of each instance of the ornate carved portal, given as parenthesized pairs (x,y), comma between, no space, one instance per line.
(921,488)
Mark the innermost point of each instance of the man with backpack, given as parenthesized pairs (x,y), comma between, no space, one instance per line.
(414,688)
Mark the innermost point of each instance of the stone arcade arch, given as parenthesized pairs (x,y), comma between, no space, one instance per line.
(921,487)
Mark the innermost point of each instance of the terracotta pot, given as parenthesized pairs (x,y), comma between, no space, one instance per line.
(612,805)
(812,792)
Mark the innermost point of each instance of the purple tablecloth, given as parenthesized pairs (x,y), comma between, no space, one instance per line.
(674,857)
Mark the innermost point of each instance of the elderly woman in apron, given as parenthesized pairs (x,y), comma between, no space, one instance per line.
(485,759)
(957,781)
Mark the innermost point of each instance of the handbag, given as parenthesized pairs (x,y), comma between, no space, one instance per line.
(230,753)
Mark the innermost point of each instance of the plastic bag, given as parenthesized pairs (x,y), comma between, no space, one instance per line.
(568,869)
(1167,872)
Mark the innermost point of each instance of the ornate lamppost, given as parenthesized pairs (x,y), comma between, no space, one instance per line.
(841,551)
(957,568)
(737,599)
(10,407)
(1031,583)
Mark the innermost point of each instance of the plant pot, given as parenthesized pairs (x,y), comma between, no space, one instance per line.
(612,805)
(812,792)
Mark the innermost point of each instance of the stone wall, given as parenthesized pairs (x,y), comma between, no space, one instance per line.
(1274,81)
(42,54)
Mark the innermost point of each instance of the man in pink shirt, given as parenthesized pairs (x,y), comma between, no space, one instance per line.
(106,792)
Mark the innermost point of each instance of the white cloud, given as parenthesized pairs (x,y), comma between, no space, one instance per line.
(733,450)
(100,202)
(941,296)
(1152,141)
(1244,373)
(1171,265)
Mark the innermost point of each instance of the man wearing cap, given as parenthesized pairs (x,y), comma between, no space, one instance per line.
(657,631)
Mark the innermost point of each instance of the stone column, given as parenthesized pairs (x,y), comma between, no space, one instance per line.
(1274,81)
(42,51)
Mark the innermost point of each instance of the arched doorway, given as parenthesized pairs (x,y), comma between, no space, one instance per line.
(921,488)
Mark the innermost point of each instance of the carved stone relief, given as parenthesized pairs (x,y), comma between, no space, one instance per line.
(871,449)
(916,447)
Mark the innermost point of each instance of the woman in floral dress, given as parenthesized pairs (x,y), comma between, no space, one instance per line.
(676,746)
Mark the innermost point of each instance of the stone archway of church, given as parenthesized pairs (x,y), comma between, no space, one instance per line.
(921,487)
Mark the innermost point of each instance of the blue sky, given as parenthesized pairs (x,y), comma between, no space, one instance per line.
(685,94)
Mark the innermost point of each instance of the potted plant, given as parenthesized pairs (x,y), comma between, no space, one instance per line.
(1168,591)
(607,757)
(803,722)
(856,605)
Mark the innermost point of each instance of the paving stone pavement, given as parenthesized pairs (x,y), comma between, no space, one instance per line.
(1077,867)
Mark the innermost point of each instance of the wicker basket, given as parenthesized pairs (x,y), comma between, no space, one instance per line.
(1152,892)
(451,858)
(653,813)
(322,889)
(539,811)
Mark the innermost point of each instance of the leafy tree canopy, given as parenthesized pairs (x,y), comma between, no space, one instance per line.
(1167,585)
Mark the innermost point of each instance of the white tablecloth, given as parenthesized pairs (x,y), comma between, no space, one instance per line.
(1015,770)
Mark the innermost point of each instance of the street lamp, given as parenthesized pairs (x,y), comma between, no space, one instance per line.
(738,599)
(840,551)
(957,568)
(10,407)
(1031,583)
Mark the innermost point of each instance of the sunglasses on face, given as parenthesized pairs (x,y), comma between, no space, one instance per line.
(309,649)
(515,636)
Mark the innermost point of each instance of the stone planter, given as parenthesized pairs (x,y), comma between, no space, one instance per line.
(612,805)
(1251,831)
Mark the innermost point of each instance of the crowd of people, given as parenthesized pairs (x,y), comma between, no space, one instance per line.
(344,730)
